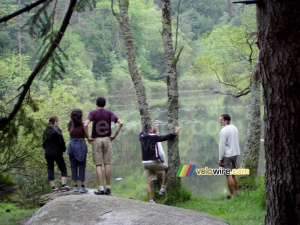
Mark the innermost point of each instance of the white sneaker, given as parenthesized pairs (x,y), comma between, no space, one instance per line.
(75,189)
(162,191)
(83,190)
(152,202)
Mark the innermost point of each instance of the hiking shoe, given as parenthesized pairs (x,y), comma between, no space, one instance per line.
(65,188)
(99,192)
(83,190)
(55,190)
(162,191)
(107,191)
(76,189)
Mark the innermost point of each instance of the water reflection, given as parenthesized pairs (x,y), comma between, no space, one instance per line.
(199,113)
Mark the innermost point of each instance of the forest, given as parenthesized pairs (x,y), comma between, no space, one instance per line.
(216,43)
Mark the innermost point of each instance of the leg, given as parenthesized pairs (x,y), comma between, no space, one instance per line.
(50,170)
(107,158)
(74,168)
(82,166)
(63,169)
(99,174)
(230,182)
(236,185)
(165,177)
(150,176)
(149,190)
(52,183)
(107,174)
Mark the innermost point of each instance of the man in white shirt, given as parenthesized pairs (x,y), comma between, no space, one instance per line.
(229,150)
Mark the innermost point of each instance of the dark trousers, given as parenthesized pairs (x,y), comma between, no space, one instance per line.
(78,168)
(59,159)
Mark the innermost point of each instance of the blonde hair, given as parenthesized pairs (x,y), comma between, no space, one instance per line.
(155,130)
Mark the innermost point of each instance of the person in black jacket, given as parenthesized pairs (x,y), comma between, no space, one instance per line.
(151,159)
(54,145)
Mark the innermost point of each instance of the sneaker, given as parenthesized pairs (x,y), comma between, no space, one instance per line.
(83,190)
(76,188)
(229,197)
(65,188)
(99,192)
(152,202)
(162,191)
(55,190)
(107,191)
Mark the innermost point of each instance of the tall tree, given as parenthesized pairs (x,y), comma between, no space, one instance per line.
(170,61)
(123,20)
(278,36)
(252,146)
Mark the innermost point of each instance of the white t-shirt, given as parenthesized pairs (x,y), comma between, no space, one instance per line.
(229,142)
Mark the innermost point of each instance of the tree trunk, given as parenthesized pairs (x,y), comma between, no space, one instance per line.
(170,62)
(279,35)
(131,59)
(252,147)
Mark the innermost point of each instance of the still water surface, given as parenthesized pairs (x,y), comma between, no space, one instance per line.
(199,113)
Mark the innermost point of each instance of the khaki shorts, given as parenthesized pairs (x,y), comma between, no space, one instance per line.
(154,169)
(230,162)
(102,151)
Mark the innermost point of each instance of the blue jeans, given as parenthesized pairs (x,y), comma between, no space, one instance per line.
(77,168)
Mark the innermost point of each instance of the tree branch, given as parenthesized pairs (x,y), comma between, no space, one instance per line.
(177,26)
(236,95)
(19,12)
(5,121)
(228,84)
(117,15)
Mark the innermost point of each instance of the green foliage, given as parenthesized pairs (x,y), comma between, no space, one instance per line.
(92,56)
(229,53)
(201,16)
(12,215)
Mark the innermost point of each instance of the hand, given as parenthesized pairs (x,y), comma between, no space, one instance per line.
(220,163)
(90,140)
(112,137)
(177,130)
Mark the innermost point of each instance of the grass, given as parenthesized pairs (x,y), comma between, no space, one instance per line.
(245,208)
(12,215)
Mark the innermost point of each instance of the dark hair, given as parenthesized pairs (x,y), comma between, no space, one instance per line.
(101,102)
(226,117)
(147,127)
(53,119)
(75,118)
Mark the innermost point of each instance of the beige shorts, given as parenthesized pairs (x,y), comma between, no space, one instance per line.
(230,162)
(102,151)
(154,169)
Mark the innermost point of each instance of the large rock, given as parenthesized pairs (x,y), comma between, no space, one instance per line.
(88,209)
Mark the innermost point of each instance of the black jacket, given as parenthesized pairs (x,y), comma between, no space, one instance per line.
(53,141)
(149,148)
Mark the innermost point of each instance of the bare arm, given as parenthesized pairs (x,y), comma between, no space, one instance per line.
(86,130)
(120,124)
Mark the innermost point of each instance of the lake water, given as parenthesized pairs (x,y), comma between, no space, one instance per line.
(199,113)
